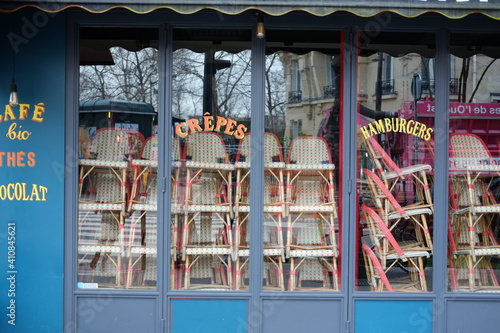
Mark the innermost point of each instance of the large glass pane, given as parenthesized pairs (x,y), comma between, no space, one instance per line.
(118,158)
(474,169)
(301,161)
(395,162)
(211,164)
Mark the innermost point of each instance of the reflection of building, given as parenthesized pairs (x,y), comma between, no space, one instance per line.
(141,256)
(311,88)
(312,84)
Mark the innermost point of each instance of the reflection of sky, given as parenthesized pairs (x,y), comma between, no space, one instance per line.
(233,84)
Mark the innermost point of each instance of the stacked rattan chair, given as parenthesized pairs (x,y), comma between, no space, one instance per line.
(143,207)
(311,209)
(417,175)
(274,209)
(390,255)
(103,192)
(207,207)
(473,210)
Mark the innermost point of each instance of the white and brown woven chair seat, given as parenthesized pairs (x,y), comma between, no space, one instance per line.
(206,165)
(85,248)
(266,252)
(147,163)
(143,250)
(408,254)
(310,166)
(311,208)
(199,250)
(120,164)
(100,206)
(223,208)
(479,251)
(407,171)
(314,253)
(409,212)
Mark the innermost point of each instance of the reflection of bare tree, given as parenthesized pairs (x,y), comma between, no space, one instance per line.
(233,86)
(134,77)
(480,79)
(463,79)
(93,82)
(275,95)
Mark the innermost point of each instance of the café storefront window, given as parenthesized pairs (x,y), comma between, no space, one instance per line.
(212,219)
(302,225)
(210,160)
(395,164)
(118,158)
(474,170)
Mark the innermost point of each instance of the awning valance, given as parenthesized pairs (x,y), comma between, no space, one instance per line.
(365,8)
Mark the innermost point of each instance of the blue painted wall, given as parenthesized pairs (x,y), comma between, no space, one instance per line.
(38,41)
(209,316)
(393,317)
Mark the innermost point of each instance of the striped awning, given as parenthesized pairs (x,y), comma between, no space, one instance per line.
(364,8)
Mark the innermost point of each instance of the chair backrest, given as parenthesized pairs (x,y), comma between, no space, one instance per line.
(136,143)
(380,191)
(109,227)
(151,191)
(108,188)
(312,270)
(468,151)
(309,150)
(271,191)
(377,228)
(206,147)
(380,157)
(310,232)
(308,191)
(206,191)
(375,264)
(272,148)
(460,195)
(150,149)
(112,144)
(202,230)
(204,268)
(176,149)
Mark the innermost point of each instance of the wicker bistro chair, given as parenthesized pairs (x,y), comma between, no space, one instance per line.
(310,238)
(145,168)
(142,166)
(273,211)
(98,249)
(112,153)
(206,252)
(273,249)
(411,218)
(206,156)
(389,251)
(471,171)
(472,277)
(311,210)
(472,243)
(142,249)
(273,165)
(105,180)
(378,279)
(308,156)
(391,173)
(207,207)
(473,209)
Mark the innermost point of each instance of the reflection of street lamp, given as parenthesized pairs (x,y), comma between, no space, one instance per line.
(261,31)
(212,66)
